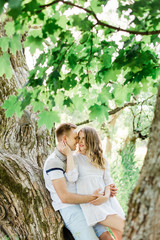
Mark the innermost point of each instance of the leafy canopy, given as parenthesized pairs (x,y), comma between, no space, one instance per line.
(82,67)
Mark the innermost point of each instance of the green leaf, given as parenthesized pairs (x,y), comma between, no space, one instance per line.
(146,39)
(10,29)
(69,82)
(99,113)
(15,44)
(105,95)
(9,105)
(84,38)
(12,105)
(26,101)
(18,109)
(78,102)
(96,7)
(14,4)
(51,103)
(38,106)
(34,43)
(81,23)
(62,22)
(35,33)
(106,60)
(2,2)
(4,43)
(5,66)
(72,60)
(68,102)
(120,94)
(50,27)
(59,99)
(48,119)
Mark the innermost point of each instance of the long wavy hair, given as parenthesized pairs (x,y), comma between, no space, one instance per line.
(94,147)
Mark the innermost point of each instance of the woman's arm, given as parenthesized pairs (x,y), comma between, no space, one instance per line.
(107,192)
(71,171)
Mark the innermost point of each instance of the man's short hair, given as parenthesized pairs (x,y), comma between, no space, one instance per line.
(64,128)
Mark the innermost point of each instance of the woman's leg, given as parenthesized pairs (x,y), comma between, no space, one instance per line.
(102,233)
(106,236)
(116,233)
(116,223)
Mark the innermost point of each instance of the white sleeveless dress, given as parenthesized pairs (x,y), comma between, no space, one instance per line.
(90,179)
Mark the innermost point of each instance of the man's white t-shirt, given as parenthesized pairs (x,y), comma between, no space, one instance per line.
(54,168)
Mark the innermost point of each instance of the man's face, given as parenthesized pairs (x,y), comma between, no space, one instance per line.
(72,139)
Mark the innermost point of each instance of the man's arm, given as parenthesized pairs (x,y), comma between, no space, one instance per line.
(66,197)
(110,191)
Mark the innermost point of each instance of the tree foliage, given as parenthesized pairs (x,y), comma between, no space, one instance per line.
(81,66)
(125,174)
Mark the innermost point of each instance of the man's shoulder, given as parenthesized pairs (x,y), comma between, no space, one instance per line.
(53,161)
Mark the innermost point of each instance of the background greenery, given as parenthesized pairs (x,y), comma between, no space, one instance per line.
(96,62)
(85,63)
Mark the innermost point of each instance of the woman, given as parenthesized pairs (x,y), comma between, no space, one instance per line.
(94,173)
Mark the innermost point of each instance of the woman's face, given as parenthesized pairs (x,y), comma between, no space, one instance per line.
(81,142)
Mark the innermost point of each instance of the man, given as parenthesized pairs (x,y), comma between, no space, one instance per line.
(63,193)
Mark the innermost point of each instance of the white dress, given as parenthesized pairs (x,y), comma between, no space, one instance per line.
(90,179)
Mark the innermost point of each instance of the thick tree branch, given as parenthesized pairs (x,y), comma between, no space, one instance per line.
(84,122)
(110,112)
(99,22)
(120,108)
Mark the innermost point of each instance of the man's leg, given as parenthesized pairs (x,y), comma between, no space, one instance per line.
(67,234)
(102,232)
(75,221)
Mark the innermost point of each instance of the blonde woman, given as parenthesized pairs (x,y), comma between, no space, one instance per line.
(93,173)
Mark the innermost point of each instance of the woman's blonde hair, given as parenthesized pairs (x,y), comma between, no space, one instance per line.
(94,147)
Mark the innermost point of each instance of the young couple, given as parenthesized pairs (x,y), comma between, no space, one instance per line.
(83,178)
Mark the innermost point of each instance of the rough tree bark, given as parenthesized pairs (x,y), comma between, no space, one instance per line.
(25,205)
(143,219)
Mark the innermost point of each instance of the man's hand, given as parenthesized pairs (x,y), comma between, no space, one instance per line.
(98,193)
(113,190)
(101,198)
(60,187)
(64,148)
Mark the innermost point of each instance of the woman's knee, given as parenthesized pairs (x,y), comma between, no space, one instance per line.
(115,222)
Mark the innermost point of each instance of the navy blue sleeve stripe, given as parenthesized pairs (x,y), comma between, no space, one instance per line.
(54,169)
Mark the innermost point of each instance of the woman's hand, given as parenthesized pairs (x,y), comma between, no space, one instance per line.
(113,190)
(65,149)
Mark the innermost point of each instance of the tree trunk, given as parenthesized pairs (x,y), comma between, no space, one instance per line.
(143,219)
(25,205)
